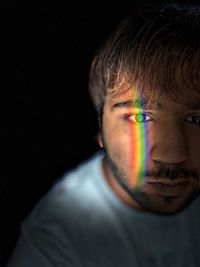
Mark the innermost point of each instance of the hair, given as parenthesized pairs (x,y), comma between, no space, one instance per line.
(154,50)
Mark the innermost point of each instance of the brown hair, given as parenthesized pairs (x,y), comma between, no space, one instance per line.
(155,50)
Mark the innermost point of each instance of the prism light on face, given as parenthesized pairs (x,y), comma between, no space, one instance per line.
(138,142)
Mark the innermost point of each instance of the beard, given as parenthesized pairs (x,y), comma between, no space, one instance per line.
(149,201)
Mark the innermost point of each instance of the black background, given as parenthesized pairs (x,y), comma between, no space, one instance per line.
(47,120)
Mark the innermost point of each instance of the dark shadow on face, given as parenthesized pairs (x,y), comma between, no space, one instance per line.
(152,202)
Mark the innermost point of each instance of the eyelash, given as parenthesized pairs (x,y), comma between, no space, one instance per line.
(127,117)
(196,117)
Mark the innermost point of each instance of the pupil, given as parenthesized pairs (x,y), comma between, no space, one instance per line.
(141,117)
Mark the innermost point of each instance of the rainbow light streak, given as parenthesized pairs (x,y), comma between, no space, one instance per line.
(138,146)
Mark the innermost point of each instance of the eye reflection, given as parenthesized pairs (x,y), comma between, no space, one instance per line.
(140,118)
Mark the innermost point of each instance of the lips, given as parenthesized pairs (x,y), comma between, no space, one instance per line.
(169,188)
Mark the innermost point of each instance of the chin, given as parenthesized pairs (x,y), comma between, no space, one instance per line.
(164,205)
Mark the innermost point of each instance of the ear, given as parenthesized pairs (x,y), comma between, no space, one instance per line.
(99,139)
(99,133)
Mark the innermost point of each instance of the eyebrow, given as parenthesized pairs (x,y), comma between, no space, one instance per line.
(195,105)
(138,103)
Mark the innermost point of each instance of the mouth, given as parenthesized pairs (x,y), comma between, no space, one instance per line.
(169,188)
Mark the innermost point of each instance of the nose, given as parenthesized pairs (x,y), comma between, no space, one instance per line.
(169,146)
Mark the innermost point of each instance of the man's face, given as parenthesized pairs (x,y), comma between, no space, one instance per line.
(152,155)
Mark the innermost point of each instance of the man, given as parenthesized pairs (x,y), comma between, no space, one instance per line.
(136,202)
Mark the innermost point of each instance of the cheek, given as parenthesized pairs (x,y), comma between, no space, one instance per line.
(117,143)
(126,146)
(193,145)
(137,153)
(117,140)
(195,159)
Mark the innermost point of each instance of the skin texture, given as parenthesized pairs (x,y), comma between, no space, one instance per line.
(171,177)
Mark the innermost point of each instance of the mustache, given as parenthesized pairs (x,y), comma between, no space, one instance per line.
(172,173)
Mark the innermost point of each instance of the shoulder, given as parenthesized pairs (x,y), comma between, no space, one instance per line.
(51,233)
(73,195)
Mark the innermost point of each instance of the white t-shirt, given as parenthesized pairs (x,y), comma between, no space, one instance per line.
(82,223)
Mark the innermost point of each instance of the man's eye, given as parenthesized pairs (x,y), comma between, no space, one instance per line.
(194,120)
(141,117)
